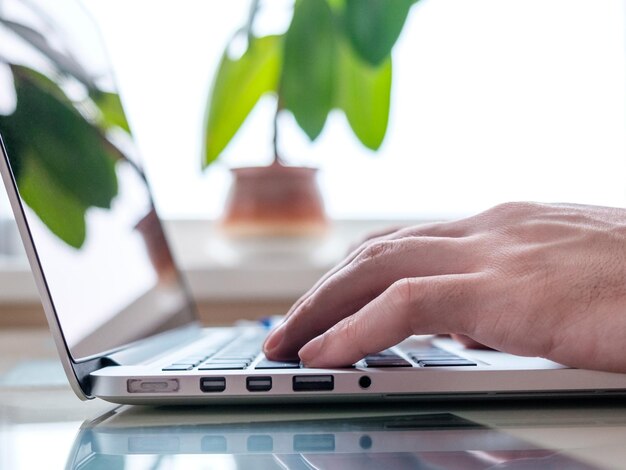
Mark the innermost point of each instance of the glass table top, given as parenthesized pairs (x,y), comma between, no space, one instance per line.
(425,440)
(52,429)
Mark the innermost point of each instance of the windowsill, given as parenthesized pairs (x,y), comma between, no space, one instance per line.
(219,270)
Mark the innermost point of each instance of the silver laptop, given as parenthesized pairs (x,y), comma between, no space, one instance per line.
(123,321)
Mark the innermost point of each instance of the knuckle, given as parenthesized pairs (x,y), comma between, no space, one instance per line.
(499,217)
(412,231)
(424,230)
(375,251)
(402,293)
(305,304)
(352,334)
(405,297)
(350,329)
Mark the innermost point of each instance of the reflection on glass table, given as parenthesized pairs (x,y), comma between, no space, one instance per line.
(414,441)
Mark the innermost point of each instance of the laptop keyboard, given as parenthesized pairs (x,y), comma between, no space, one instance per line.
(240,353)
(235,355)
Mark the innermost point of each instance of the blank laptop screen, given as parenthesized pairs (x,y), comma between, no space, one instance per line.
(107,266)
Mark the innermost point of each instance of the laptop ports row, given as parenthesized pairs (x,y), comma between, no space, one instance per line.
(301,383)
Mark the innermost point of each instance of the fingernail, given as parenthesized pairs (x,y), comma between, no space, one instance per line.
(274,338)
(312,350)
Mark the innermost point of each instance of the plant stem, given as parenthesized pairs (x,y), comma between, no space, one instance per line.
(278,160)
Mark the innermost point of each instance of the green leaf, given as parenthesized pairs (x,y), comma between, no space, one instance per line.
(307,78)
(59,210)
(73,151)
(111,108)
(364,94)
(373,26)
(238,86)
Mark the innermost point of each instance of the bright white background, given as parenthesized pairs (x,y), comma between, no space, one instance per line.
(493,100)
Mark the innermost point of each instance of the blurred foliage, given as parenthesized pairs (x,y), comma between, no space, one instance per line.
(254,73)
(335,54)
(306,86)
(61,157)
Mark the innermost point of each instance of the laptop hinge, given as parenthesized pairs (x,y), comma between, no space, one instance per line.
(136,353)
(84,369)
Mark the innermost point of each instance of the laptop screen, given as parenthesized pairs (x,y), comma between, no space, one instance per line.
(105,261)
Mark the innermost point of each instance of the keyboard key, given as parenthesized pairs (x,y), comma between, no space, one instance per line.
(432,354)
(233,358)
(223,366)
(387,362)
(267,364)
(219,363)
(434,358)
(447,363)
(178,367)
(219,360)
(386,358)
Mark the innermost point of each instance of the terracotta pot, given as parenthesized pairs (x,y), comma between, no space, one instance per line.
(274,201)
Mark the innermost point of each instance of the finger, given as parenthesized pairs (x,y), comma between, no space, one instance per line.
(437,229)
(365,278)
(411,306)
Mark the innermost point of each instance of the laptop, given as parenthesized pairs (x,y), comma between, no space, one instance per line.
(122,318)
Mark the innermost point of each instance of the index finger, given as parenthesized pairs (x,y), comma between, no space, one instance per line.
(428,305)
(452,229)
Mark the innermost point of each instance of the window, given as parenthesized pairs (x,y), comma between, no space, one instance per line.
(492,101)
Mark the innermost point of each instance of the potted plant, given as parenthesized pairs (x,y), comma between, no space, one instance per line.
(335,54)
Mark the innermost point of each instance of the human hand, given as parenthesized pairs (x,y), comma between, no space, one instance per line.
(530,279)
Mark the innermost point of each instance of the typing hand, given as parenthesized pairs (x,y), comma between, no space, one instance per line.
(530,279)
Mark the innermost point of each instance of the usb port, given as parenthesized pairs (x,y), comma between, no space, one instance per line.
(212,384)
(259,384)
(313,383)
